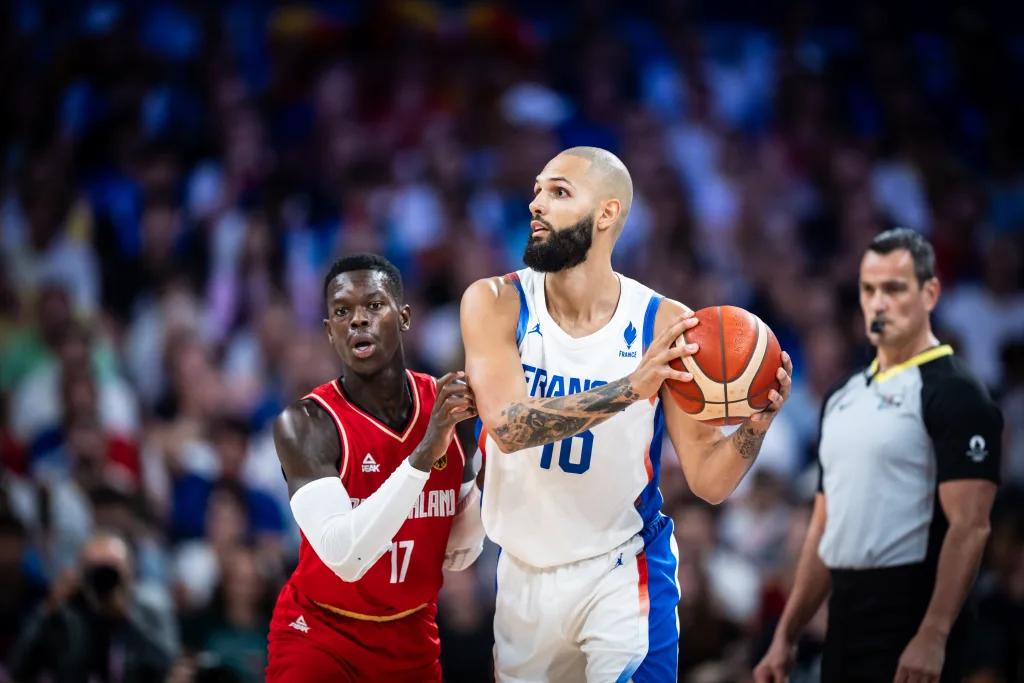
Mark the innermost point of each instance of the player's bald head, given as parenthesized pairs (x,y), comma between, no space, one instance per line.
(610,176)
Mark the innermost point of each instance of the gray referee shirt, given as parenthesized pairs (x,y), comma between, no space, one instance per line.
(888,440)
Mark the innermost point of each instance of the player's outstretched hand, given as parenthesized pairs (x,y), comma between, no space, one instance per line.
(454,403)
(777,398)
(654,368)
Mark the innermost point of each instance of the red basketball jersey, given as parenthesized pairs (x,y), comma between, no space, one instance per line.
(407,576)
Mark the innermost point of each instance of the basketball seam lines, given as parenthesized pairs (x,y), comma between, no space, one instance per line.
(725,371)
(757,334)
(760,351)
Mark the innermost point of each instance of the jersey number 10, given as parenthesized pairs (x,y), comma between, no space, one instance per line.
(565,454)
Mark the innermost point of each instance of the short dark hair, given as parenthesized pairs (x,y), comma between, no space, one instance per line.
(904,238)
(367,261)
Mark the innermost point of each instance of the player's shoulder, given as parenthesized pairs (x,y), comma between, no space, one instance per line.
(302,423)
(495,286)
(671,308)
(492,296)
(669,311)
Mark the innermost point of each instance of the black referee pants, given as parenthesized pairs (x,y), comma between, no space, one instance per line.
(872,616)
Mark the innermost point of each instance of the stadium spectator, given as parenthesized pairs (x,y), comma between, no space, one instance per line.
(93,625)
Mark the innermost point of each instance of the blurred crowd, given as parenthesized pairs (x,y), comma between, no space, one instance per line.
(176,178)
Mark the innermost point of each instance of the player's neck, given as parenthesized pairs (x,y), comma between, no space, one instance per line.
(583,296)
(384,395)
(890,355)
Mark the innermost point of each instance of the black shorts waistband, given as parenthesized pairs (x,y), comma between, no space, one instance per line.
(909,585)
(895,573)
(894,570)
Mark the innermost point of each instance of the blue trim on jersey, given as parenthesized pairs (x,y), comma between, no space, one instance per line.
(649,315)
(479,427)
(628,671)
(650,497)
(524,310)
(662,660)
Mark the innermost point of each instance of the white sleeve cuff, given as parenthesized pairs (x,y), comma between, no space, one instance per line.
(466,539)
(348,540)
(407,467)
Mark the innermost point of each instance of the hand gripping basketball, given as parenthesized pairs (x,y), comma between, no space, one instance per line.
(739,372)
(656,366)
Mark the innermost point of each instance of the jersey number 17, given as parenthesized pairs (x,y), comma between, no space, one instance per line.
(397,548)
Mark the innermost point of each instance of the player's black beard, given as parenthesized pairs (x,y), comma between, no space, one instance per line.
(563,248)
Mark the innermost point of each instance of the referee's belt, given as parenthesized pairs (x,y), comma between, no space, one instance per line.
(368,617)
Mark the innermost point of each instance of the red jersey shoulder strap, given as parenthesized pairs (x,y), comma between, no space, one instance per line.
(426,385)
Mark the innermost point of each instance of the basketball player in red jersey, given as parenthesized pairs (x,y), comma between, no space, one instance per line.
(381,491)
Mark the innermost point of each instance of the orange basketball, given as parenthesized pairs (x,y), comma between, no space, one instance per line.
(733,370)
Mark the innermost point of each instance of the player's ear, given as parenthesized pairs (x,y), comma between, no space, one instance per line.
(932,290)
(327,329)
(609,215)
(405,315)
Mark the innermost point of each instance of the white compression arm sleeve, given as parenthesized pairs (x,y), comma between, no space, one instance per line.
(466,539)
(349,540)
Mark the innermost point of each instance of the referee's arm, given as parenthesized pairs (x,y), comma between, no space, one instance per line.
(811,586)
(965,426)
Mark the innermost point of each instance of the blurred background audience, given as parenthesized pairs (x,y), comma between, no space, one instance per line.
(176,178)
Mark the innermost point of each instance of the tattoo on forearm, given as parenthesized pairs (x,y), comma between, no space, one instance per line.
(549,420)
(748,441)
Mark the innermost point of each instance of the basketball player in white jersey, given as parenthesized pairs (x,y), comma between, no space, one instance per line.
(587,585)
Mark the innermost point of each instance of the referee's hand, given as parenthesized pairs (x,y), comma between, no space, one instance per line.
(776,663)
(922,659)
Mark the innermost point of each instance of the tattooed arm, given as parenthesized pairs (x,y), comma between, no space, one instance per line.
(714,464)
(489,314)
(533,422)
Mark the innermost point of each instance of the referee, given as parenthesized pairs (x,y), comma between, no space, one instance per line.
(909,457)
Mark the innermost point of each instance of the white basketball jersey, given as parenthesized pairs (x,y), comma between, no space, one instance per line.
(585,495)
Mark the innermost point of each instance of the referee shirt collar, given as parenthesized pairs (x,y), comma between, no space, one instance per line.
(925,356)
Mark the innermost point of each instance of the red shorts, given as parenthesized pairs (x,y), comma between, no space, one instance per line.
(309,643)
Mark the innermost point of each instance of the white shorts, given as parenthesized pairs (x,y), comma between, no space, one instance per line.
(607,619)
